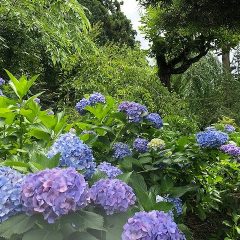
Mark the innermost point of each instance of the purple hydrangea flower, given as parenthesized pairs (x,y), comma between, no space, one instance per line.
(80,106)
(231,149)
(211,139)
(37,100)
(10,192)
(229,128)
(155,120)
(113,195)
(111,171)
(96,98)
(74,153)
(121,150)
(134,111)
(2,81)
(54,193)
(151,225)
(141,145)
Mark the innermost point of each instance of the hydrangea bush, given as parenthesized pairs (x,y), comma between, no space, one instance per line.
(126,155)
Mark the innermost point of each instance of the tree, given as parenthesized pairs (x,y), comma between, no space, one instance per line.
(115,26)
(176,43)
(42,36)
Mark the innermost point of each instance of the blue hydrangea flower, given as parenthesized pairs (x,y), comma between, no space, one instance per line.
(2,81)
(151,226)
(37,100)
(1,93)
(80,106)
(231,149)
(211,139)
(10,192)
(229,128)
(155,120)
(109,170)
(141,145)
(134,111)
(177,202)
(54,193)
(74,153)
(96,98)
(121,150)
(113,195)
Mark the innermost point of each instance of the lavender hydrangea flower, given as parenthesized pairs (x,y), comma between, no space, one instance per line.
(141,145)
(229,128)
(54,193)
(37,100)
(231,149)
(211,139)
(155,120)
(10,192)
(111,171)
(74,153)
(121,150)
(2,81)
(80,106)
(113,195)
(134,111)
(151,225)
(96,98)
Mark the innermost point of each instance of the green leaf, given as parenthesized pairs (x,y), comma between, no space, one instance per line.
(92,220)
(125,177)
(180,191)
(42,234)
(80,235)
(18,224)
(114,225)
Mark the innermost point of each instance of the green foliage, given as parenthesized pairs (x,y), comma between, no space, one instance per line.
(123,73)
(114,25)
(210,91)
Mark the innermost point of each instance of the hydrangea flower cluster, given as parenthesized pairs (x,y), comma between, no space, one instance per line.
(10,192)
(74,153)
(155,119)
(113,195)
(96,98)
(177,202)
(151,225)
(134,111)
(2,81)
(54,193)
(211,139)
(156,143)
(141,145)
(93,99)
(229,128)
(109,170)
(121,150)
(231,149)
(80,106)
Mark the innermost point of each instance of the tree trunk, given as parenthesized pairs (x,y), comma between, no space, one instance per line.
(226,60)
(164,72)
